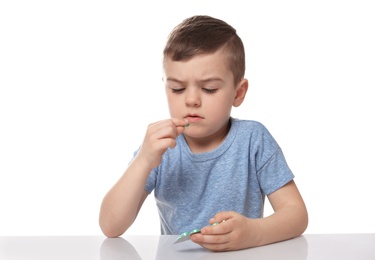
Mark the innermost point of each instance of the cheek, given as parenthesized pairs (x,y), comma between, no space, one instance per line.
(173,105)
(222,102)
(173,100)
(218,107)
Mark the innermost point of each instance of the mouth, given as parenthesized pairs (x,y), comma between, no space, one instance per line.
(193,118)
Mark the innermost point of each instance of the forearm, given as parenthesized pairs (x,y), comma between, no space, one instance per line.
(121,204)
(284,224)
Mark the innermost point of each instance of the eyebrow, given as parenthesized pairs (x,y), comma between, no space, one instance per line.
(200,81)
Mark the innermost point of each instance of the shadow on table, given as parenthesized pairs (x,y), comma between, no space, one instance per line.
(117,248)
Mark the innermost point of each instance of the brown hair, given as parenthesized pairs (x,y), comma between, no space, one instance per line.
(205,35)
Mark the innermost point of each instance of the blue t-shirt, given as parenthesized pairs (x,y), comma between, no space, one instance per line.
(191,188)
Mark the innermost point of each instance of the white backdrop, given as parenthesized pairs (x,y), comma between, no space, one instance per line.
(81,80)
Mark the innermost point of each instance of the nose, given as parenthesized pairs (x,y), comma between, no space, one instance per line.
(192,97)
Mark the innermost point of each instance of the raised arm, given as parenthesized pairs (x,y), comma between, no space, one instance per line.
(123,201)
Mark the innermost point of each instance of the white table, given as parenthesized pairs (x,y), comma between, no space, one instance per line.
(308,246)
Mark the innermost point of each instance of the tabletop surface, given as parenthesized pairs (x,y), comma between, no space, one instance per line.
(308,246)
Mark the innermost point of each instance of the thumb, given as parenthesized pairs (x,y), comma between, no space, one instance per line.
(180,129)
(180,124)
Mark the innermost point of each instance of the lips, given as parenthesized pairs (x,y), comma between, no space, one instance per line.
(193,118)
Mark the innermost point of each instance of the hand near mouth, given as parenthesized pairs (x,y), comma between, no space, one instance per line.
(159,137)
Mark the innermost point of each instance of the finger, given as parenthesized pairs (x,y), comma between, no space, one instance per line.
(212,242)
(156,126)
(219,229)
(167,131)
(209,239)
(175,126)
(158,123)
(217,247)
(222,216)
(180,121)
(163,129)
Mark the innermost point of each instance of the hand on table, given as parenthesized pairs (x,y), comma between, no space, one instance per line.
(234,232)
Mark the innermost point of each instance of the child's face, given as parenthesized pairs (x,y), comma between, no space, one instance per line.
(202,91)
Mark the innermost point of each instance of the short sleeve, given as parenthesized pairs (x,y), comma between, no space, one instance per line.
(275,173)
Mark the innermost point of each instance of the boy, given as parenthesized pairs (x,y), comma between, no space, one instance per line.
(203,165)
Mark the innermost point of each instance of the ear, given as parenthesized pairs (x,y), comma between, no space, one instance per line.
(240,92)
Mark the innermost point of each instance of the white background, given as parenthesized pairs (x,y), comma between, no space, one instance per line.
(81,80)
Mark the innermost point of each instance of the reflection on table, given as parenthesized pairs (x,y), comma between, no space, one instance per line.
(119,248)
(309,246)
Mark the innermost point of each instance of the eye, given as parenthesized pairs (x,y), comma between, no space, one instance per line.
(209,90)
(177,90)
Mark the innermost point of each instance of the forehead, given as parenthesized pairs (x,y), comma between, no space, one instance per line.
(199,67)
